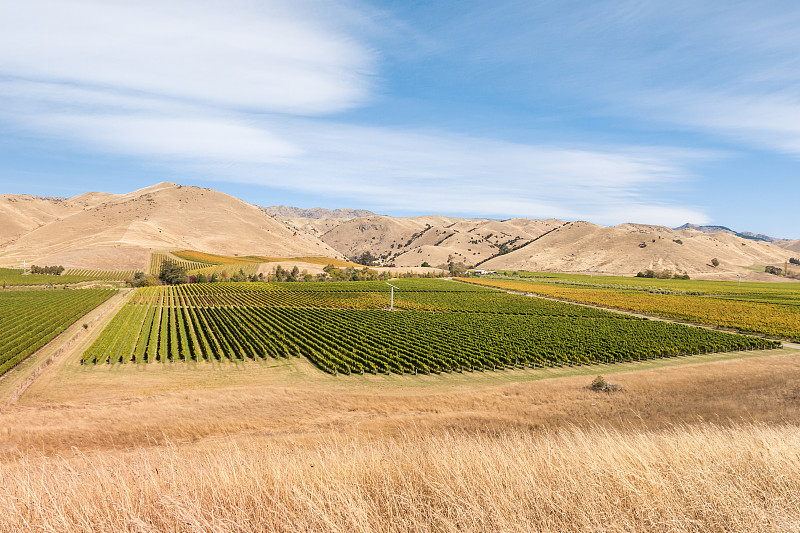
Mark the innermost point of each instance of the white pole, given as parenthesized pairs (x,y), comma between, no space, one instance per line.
(391,304)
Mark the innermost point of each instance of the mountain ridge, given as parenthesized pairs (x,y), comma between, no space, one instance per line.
(104,230)
(743,234)
(285,211)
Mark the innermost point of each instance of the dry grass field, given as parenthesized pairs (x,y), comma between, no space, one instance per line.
(706,443)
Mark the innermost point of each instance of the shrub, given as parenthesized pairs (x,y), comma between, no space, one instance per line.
(598,383)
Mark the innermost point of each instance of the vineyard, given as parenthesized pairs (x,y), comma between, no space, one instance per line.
(31,319)
(215,259)
(109,275)
(751,291)
(766,310)
(157,260)
(225,266)
(228,269)
(15,277)
(441,326)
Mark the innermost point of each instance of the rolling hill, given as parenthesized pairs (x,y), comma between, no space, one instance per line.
(547,245)
(110,231)
(99,230)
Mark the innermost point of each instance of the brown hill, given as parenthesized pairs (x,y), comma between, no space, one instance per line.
(792,246)
(98,230)
(411,241)
(629,248)
(546,245)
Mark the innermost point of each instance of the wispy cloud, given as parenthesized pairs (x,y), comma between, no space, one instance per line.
(263,55)
(728,70)
(763,121)
(233,91)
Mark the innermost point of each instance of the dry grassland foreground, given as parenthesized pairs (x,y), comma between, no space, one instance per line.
(704,443)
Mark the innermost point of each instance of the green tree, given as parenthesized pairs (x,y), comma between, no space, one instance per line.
(201,278)
(172,273)
(140,279)
(715,262)
(366,258)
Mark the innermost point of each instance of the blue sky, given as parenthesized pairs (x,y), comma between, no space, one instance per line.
(624,111)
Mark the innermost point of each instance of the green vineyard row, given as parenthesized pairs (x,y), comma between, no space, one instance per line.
(424,295)
(157,259)
(31,319)
(480,330)
(15,277)
(776,319)
(227,270)
(109,275)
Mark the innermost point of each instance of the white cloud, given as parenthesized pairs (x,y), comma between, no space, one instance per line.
(217,89)
(440,172)
(177,138)
(264,55)
(766,121)
(732,71)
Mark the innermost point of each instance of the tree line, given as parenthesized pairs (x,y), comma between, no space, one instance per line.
(50,270)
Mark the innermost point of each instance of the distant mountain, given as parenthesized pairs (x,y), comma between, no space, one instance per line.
(544,245)
(118,231)
(717,229)
(284,211)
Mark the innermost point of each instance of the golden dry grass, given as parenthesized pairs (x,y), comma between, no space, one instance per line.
(216,259)
(692,444)
(740,478)
(124,406)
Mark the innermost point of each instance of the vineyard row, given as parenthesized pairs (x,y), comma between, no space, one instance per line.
(347,341)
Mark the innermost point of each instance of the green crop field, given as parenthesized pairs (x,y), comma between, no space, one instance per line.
(785,292)
(94,274)
(766,308)
(30,319)
(215,259)
(438,326)
(15,277)
(157,259)
(228,269)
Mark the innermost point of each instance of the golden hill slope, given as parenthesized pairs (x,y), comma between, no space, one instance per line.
(99,230)
(629,248)
(410,241)
(793,246)
(546,245)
